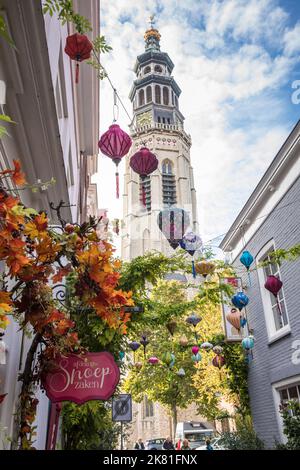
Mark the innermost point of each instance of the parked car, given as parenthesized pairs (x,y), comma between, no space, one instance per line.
(154,444)
(216,445)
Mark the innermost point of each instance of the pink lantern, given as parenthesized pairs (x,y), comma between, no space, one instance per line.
(218,361)
(143,163)
(195,349)
(153,360)
(115,144)
(273,284)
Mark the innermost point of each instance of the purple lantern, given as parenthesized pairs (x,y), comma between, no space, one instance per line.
(144,163)
(134,345)
(195,350)
(153,360)
(273,284)
(173,223)
(191,243)
(115,144)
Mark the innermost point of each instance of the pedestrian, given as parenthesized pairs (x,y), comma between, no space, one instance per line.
(139,445)
(208,445)
(185,445)
(178,445)
(168,444)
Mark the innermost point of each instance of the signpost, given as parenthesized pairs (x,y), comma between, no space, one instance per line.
(79,378)
(122,411)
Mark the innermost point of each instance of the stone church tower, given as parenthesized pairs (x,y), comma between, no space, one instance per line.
(158,125)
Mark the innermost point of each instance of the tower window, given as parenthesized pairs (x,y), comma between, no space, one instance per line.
(166,95)
(141,97)
(147,69)
(164,120)
(157,94)
(168,183)
(176,101)
(158,69)
(146,183)
(172,97)
(159,120)
(149,94)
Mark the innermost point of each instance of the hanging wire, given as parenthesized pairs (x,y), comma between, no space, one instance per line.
(115,107)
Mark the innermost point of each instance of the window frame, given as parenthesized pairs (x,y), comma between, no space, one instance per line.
(276,388)
(267,302)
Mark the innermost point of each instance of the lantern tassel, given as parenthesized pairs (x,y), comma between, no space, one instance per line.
(77,72)
(117,185)
(193,269)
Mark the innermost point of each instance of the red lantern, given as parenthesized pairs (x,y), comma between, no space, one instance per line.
(78,47)
(273,284)
(218,361)
(115,144)
(144,163)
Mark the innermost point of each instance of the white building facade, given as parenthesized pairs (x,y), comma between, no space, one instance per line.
(55,135)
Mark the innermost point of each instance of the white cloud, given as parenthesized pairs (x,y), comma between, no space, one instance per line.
(229,75)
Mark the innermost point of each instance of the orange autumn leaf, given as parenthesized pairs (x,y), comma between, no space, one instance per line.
(61,273)
(41,221)
(18,177)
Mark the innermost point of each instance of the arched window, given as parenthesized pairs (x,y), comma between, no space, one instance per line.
(172,97)
(168,183)
(158,69)
(141,97)
(167,167)
(157,94)
(176,101)
(147,69)
(145,187)
(166,95)
(149,94)
(159,120)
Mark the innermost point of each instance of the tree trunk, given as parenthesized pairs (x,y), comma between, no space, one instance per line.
(174,419)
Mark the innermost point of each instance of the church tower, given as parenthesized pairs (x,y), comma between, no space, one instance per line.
(158,125)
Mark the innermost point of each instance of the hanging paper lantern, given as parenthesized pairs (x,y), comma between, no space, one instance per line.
(121,355)
(181,372)
(173,223)
(171,326)
(248,343)
(115,144)
(196,357)
(243,321)
(183,341)
(78,47)
(206,346)
(167,358)
(144,341)
(273,284)
(138,365)
(143,163)
(195,349)
(246,259)
(191,243)
(240,300)
(234,318)
(205,268)
(134,345)
(193,319)
(172,363)
(153,360)
(218,361)
(217,349)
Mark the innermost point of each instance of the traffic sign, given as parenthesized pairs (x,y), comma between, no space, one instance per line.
(122,408)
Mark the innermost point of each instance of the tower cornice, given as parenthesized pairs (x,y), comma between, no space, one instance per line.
(157,79)
(150,56)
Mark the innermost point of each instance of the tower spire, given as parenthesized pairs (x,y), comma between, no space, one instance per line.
(152,36)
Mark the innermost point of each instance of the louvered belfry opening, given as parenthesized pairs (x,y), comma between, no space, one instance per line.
(168,184)
(146,182)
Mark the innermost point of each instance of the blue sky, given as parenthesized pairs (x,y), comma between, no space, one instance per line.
(235,61)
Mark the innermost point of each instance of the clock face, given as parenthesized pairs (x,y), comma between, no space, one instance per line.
(144,119)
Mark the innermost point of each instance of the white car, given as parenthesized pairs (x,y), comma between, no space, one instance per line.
(215,443)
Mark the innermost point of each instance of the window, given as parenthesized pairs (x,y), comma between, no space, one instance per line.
(176,101)
(158,69)
(164,120)
(275,308)
(166,95)
(172,97)
(141,97)
(149,94)
(159,120)
(147,69)
(157,94)
(60,89)
(148,408)
(169,121)
(283,392)
(168,183)
(146,184)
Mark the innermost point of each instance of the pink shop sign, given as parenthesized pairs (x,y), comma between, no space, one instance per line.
(92,376)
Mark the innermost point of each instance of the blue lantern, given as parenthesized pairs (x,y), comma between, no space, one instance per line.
(193,319)
(172,361)
(240,300)
(246,259)
(191,243)
(196,357)
(248,343)
(121,355)
(243,321)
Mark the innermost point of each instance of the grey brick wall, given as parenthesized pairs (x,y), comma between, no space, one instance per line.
(272,362)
